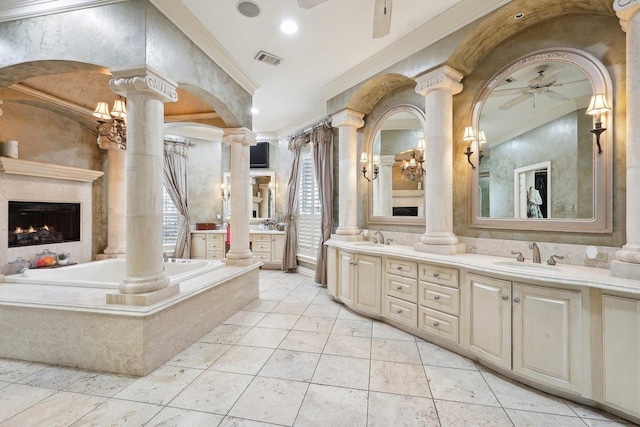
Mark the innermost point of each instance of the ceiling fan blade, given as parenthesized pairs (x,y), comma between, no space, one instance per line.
(516,101)
(510,92)
(382,18)
(555,95)
(308,4)
(549,79)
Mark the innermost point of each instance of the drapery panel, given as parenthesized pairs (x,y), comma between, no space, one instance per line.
(321,138)
(289,258)
(175,182)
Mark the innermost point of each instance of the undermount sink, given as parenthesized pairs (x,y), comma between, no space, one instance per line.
(525,265)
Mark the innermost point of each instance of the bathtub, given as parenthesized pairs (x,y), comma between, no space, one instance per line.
(108,273)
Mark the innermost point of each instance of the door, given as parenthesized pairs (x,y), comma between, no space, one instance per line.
(367,290)
(547,335)
(490,319)
(277,248)
(346,277)
(198,246)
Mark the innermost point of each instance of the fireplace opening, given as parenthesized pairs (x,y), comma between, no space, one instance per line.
(43,223)
(405,211)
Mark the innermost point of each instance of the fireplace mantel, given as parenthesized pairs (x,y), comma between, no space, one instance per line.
(10,165)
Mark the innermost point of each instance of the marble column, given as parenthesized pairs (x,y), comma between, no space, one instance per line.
(348,122)
(385,178)
(241,198)
(438,88)
(116,201)
(264,204)
(628,259)
(146,92)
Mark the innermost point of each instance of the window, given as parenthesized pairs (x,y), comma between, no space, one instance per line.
(170,218)
(308,207)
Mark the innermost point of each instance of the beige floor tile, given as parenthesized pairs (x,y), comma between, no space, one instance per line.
(316,310)
(245,318)
(395,351)
(242,360)
(354,328)
(199,355)
(314,324)
(270,400)
(101,384)
(54,377)
(278,321)
(313,342)
(592,413)
(306,289)
(345,313)
(535,419)
(290,365)
(455,414)
(263,337)
(398,378)
(323,299)
(116,412)
(603,423)
(386,410)
(60,409)
(382,330)
(260,305)
(514,395)
(298,299)
(459,385)
(342,345)
(290,308)
(4,384)
(15,398)
(174,417)
(241,422)
(333,406)
(213,391)
(15,370)
(432,355)
(342,371)
(226,334)
(161,386)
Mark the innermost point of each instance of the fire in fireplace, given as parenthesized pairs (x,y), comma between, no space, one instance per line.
(42,223)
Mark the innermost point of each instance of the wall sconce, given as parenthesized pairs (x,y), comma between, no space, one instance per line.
(597,107)
(117,130)
(469,137)
(226,192)
(482,139)
(364,159)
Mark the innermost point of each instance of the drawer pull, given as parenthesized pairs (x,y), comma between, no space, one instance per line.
(399,287)
(505,297)
(436,324)
(516,300)
(436,297)
(399,268)
(399,311)
(436,274)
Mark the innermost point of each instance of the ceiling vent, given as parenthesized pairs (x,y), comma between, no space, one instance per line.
(263,56)
(248,8)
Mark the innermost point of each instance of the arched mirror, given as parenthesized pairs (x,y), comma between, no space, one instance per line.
(394,164)
(538,167)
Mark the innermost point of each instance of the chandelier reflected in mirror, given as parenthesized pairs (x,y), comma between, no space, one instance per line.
(412,169)
(112,125)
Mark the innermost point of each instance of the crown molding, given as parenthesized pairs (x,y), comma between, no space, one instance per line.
(20,9)
(304,122)
(448,22)
(182,17)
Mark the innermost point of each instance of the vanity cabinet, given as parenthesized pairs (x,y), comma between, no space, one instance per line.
(401,291)
(540,327)
(360,282)
(439,302)
(208,245)
(621,352)
(268,247)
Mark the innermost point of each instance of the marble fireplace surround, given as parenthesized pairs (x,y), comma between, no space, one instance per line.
(23,180)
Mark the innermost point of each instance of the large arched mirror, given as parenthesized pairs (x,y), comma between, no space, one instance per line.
(395,163)
(537,165)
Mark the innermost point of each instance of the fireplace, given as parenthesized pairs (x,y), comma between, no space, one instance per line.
(42,223)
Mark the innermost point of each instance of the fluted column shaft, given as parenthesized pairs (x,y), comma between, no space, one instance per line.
(116,200)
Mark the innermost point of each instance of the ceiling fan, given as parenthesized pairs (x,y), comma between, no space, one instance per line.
(381,15)
(540,85)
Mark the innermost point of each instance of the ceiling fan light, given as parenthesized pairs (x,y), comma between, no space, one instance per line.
(598,105)
(102,111)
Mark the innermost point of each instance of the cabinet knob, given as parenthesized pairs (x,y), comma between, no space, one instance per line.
(436,297)
(399,287)
(399,268)
(516,300)
(399,311)
(436,324)
(505,297)
(436,274)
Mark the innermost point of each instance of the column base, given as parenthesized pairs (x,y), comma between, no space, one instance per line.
(107,256)
(458,248)
(144,299)
(625,270)
(143,285)
(240,262)
(347,237)
(348,231)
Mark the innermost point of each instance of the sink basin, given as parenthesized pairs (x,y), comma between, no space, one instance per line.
(367,244)
(525,265)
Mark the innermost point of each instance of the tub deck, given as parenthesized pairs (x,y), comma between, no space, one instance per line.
(74,326)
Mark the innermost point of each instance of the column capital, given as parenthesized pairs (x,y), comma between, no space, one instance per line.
(387,160)
(626,9)
(347,118)
(442,78)
(143,80)
(107,145)
(240,135)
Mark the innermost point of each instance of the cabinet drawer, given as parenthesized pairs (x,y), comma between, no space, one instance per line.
(214,255)
(438,323)
(261,246)
(402,268)
(213,246)
(401,311)
(440,275)
(262,256)
(440,298)
(261,237)
(214,238)
(402,287)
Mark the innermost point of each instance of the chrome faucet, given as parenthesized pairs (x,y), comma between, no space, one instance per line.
(381,240)
(165,258)
(536,252)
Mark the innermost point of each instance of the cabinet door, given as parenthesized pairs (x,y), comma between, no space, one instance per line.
(198,246)
(367,290)
(333,271)
(621,352)
(346,277)
(490,319)
(277,248)
(547,335)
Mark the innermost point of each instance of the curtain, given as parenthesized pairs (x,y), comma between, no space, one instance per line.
(289,258)
(321,138)
(175,181)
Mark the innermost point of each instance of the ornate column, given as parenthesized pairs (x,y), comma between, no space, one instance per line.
(628,263)
(116,201)
(438,88)
(240,140)
(385,176)
(348,122)
(146,93)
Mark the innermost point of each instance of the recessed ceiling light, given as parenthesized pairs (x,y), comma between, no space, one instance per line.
(254,110)
(288,27)
(248,8)
(519,16)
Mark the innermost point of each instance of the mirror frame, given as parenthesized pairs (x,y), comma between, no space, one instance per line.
(226,178)
(371,219)
(602,220)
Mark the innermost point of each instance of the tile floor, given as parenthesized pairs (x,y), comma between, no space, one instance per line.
(293,357)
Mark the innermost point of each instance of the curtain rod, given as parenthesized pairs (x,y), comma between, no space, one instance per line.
(324,122)
(177,140)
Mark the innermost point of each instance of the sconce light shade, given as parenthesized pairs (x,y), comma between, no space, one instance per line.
(598,105)
(364,158)
(119,109)
(102,111)
(468,134)
(376,159)
(421,145)
(482,138)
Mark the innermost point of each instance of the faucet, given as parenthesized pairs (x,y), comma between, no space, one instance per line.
(165,258)
(381,241)
(536,252)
